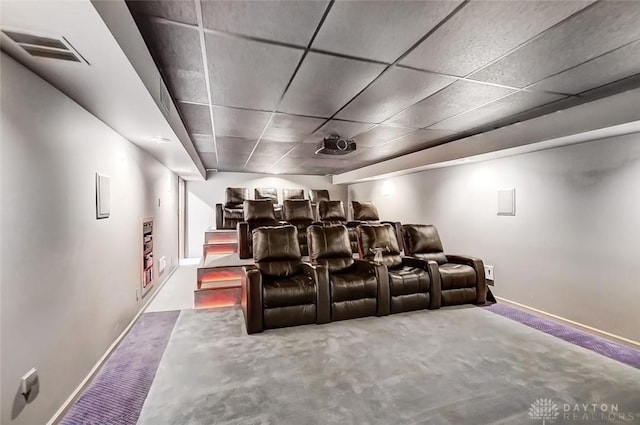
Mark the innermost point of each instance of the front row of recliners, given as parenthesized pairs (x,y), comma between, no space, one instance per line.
(280,290)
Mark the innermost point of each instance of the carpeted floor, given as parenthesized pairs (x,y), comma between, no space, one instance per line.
(116,394)
(451,366)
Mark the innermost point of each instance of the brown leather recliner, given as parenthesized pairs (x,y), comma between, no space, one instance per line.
(317,195)
(297,212)
(292,194)
(231,213)
(357,288)
(270,193)
(367,212)
(462,278)
(413,284)
(257,214)
(281,290)
(331,213)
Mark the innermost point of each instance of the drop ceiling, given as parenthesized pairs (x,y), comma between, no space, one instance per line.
(259,83)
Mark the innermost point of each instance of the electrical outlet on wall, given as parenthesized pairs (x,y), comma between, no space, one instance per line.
(29,381)
(162,264)
(488,273)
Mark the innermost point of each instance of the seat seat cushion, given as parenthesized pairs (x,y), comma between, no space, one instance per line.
(352,285)
(457,276)
(288,291)
(408,280)
(234,213)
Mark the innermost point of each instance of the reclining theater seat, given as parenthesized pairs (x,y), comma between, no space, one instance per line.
(257,214)
(298,213)
(367,212)
(332,213)
(357,288)
(231,213)
(270,193)
(462,278)
(292,194)
(281,290)
(413,284)
(317,195)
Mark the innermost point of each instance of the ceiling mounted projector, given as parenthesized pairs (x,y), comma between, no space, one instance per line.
(335,145)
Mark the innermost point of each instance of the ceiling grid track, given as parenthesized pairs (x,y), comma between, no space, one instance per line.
(205,64)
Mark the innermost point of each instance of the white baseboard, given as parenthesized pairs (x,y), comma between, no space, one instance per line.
(574,324)
(76,393)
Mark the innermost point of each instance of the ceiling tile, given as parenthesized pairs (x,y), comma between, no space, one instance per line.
(239,122)
(209,160)
(593,32)
(331,162)
(203,143)
(302,150)
(381,30)
(291,128)
(325,83)
(176,10)
(248,74)
(266,147)
(395,90)
(505,107)
(232,159)
(345,129)
(420,138)
(177,50)
(466,42)
(235,145)
(291,22)
(196,118)
(262,160)
(613,66)
(380,135)
(458,97)
(289,162)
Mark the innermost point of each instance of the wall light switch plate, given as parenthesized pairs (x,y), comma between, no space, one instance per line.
(28,381)
(488,272)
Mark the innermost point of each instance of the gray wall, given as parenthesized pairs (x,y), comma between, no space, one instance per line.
(572,248)
(202,198)
(68,281)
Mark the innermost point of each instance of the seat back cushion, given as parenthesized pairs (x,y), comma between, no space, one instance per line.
(331,211)
(329,246)
(235,196)
(422,241)
(297,210)
(319,195)
(372,236)
(259,211)
(292,194)
(364,211)
(276,251)
(270,193)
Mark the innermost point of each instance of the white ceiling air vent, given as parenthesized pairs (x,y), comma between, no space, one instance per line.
(45,47)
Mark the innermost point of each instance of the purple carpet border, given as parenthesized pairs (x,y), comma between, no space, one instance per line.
(116,394)
(619,352)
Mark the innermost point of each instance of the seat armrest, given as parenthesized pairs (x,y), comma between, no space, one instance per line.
(431,267)
(251,299)
(478,266)
(243,240)
(382,276)
(219,216)
(320,275)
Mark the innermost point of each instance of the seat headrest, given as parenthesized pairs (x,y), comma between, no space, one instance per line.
(261,210)
(275,244)
(423,239)
(331,211)
(319,195)
(330,246)
(364,211)
(297,209)
(292,193)
(235,196)
(270,193)
(372,236)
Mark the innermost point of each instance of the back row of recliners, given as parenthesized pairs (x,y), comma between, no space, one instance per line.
(281,290)
(299,213)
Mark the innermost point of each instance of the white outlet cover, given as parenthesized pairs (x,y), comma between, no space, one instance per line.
(507,202)
(28,381)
